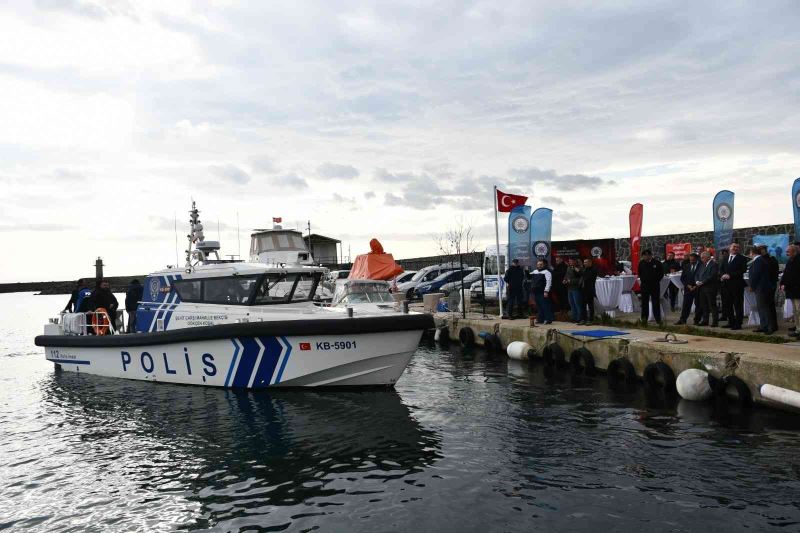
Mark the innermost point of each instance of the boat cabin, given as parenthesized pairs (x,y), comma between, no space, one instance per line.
(278,246)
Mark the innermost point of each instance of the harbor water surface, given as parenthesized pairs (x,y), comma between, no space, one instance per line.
(466,442)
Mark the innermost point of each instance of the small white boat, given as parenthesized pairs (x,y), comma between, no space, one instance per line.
(244,325)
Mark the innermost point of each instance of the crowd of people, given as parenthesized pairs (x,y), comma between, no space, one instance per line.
(86,300)
(569,286)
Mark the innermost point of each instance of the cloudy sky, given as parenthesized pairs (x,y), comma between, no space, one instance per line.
(387,119)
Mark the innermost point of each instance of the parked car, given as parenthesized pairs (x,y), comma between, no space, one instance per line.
(428,273)
(489,288)
(449,278)
(405,276)
(473,274)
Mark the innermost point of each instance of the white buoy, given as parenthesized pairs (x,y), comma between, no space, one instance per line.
(781,395)
(519,350)
(692,384)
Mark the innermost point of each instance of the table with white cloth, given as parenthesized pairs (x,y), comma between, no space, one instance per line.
(663,302)
(751,309)
(627,303)
(788,309)
(608,291)
(675,279)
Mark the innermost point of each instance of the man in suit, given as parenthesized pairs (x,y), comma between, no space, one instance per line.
(588,282)
(762,283)
(688,272)
(650,274)
(707,280)
(790,284)
(732,277)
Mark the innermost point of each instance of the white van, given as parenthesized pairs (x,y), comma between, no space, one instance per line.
(490,280)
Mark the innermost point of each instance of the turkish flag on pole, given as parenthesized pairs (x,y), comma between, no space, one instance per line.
(635,219)
(507,202)
(277,220)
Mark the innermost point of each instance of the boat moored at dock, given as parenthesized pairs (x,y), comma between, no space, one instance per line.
(243,325)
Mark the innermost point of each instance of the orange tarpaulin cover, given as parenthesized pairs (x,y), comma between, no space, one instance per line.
(375,265)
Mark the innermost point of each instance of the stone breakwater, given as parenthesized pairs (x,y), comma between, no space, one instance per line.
(754,363)
(118,284)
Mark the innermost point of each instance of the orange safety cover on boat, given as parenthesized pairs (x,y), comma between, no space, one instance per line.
(375,265)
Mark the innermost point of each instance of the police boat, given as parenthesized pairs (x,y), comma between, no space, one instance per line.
(236,324)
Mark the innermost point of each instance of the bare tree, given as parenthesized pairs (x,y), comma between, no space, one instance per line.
(457,239)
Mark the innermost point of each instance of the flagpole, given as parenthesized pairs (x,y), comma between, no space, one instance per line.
(497,252)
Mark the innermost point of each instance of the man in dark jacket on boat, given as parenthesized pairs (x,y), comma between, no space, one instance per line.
(78,294)
(515,279)
(105,299)
(132,299)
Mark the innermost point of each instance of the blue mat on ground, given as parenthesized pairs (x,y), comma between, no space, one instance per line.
(597,333)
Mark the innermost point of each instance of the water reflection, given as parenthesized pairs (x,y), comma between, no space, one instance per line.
(242,454)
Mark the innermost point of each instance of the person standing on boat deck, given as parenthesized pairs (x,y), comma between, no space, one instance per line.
(84,298)
(572,280)
(688,273)
(763,284)
(707,281)
(132,298)
(542,281)
(103,297)
(588,289)
(732,277)
(650,275)
(790,285)
(72,304)
(515,279)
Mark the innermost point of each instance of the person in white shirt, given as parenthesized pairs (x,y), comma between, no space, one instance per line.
(542,282)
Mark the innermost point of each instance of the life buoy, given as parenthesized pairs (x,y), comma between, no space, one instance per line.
(621,371)
(741,392)
(659,375)
(101,323)
(582,362)
(467,337)
(553,355)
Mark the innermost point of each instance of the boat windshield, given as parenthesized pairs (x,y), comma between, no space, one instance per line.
(277,241)
(250,290)
(362,291)
(285,287)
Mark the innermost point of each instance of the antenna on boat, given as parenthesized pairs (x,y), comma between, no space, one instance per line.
(175,221)
(219,238)
(238,238)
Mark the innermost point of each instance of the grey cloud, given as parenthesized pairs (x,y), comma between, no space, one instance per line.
(36,227)
(554,200)
(334,171)
(289,181)
(230,173)
(566,182)
(88,8)
(369,195)
(338,198)
(264,164)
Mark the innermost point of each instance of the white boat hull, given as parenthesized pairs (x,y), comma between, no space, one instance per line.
(254,362)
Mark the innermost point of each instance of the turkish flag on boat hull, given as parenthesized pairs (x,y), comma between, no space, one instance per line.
(507,202)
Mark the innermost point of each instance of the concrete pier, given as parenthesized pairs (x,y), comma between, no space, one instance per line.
(755,363)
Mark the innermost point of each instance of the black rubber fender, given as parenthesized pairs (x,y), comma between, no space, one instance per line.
(553,355)
(582,362)
(466,336)
(621,370)
(493,344)
(743,398)
(444,336)
(659,375)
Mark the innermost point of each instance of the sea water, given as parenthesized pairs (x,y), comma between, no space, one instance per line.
(465,442)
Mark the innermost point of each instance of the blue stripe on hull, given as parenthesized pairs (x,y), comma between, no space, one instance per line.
(272,353)
(285,359)
(250,349)
(70,361)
